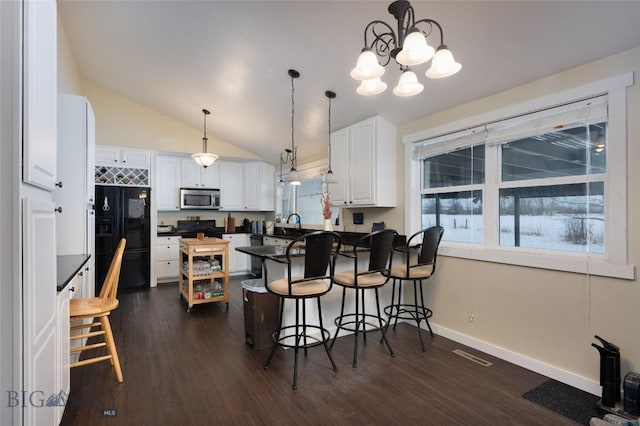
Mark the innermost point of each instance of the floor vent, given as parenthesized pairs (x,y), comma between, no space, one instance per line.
(473,358)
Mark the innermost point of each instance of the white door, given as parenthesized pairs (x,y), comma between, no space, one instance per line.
(39,312)
(211,176)
(190,173)
(251,185)
(40,93)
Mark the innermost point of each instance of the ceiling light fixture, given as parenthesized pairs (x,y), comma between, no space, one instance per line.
(408,47)
(290,154)
(329,177)
(204,158)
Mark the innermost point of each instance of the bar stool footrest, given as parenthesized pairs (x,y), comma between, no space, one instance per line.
(349,322)
(408,312)
(292,340)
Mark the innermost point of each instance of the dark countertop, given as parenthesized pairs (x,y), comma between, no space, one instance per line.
(67,268)
(265,252)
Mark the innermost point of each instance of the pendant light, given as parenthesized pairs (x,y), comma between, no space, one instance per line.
(204,158)
(329,177)
(293,177)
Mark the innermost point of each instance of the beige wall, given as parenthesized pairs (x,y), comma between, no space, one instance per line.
(546,315)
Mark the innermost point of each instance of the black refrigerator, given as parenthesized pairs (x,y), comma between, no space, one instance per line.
(123,212)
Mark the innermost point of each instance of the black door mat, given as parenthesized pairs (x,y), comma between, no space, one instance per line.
(576,404)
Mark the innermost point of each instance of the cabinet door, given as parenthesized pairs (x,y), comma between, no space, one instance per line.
(136,158)
(41,365)
(211,176)
(251,185)
(266,187)
(90,153)
(40,93)
(238,262)
(107,155)
(168,183)
(231,186)
(361,162)
(63,344)
(190,173)
(339,165)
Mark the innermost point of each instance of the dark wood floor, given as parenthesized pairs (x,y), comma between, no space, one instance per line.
(195,369)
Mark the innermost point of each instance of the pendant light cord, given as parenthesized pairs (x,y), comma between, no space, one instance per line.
(293,149)
(330,136)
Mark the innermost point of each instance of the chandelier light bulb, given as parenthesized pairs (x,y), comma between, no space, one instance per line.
(371,87)
(367,67)
(443,64)
(415,50)
(408,84)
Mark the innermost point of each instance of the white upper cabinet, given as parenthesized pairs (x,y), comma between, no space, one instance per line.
(167,189)
(123,157)
(195,176)
(259,192)
(231,186)
(40,94)
(364,163)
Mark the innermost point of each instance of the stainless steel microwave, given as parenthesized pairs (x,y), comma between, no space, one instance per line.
(199,199)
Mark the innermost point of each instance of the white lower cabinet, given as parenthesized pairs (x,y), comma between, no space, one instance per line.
(63,339)
(167,258)
(239,263)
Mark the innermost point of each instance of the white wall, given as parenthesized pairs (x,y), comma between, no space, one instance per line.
(540,318)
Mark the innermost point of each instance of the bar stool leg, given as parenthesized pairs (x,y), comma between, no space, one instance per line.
(295,348)
(304,325)
(395,323)
(425,311)
(417,314)
(339,319)
(275,336)
(384,337)
(324,339)
(355,341)
(364,317)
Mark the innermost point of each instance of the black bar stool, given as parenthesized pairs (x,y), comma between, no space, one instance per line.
(320,249)
(424,267)
(380,244)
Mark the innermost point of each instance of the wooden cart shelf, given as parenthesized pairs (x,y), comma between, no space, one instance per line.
(207,250)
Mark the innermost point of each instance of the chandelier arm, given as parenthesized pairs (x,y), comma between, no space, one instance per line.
(384,41)
(405,23)
(431,23)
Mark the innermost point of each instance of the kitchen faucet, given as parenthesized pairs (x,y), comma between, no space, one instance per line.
(299,220)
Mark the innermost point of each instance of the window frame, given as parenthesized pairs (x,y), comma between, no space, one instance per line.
(611,264)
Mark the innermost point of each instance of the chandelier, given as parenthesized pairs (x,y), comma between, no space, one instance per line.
(289,156)
(204,158)
(408,47)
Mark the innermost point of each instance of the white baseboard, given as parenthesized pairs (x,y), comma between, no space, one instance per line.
(529,363)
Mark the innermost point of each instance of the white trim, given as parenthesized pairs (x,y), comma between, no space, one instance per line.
(614,264)
(521,360)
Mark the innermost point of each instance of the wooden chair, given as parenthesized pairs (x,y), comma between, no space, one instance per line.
(97,310)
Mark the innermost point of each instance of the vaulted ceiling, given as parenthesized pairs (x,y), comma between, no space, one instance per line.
(232,57)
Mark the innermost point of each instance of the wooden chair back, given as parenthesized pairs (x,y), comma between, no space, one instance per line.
(110,285)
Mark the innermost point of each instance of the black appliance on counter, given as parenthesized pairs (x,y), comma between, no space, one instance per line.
(123,212)
(256,263)
(191,228)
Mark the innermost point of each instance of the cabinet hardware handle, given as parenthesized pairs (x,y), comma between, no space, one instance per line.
(59,210)
(91,212)
(86,269)
(80,273)
(72,289)
(59,184)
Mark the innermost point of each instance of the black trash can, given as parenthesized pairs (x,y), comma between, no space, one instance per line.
(260,314)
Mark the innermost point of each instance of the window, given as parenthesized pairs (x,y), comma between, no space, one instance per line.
(537,188)
(304,199)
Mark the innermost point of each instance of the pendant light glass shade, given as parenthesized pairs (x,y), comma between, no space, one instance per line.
(443,64)
(203,158)
(371,87)
(367,67)
(415,50)
(293,177)
(408,84)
